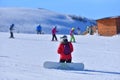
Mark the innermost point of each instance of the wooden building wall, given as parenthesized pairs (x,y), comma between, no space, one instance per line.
(107,27)
(118,25)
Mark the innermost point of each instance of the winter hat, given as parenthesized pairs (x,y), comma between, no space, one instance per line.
(64,39)
(73,28)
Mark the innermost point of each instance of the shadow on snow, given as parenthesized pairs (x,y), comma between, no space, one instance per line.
(98,71)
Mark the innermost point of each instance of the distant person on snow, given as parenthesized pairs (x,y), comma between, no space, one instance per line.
(78,31)
(39,29)
(65,49)
(91,30)
(11,30)
(54,31)
(72,38)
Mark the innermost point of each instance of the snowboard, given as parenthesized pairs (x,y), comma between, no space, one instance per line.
(63,66)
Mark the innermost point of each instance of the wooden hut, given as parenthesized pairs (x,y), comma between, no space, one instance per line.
(109,26)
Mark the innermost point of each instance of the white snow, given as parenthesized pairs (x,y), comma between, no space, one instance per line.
(22,58)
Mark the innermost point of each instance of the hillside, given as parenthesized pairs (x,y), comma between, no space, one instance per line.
(26,20)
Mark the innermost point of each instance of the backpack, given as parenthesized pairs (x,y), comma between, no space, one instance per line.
(67,49)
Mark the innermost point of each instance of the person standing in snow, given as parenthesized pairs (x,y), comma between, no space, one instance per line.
(39,29)
(54,31)
(90,30)
(64,50)
(11,30)
(72,38)
(78,31)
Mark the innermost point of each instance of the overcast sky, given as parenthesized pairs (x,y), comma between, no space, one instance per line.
(94,9)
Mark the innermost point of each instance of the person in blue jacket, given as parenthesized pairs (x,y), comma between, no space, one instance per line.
(11,30)
(39,29)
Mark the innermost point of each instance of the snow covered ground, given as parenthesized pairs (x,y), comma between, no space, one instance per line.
(22,58)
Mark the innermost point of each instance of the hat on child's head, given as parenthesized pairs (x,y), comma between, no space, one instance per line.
(64,39)
(73,28)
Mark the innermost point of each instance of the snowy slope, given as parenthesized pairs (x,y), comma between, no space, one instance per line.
(26,20)
(22,58)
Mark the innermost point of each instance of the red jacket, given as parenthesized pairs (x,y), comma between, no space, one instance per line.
(61,51)
(54,31)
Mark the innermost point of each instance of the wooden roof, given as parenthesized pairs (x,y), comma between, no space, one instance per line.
(113,17)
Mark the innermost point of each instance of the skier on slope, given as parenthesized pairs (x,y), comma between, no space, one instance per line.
(72,38)
(65,49)
(39,29)
(11,30)
(54,31)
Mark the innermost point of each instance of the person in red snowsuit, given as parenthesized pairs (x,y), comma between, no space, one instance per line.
(61,50)
(54,31)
